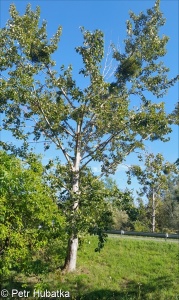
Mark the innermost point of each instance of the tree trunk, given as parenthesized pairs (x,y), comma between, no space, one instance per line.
(153,211)
(71,257)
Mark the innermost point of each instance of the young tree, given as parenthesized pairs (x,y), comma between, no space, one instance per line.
(154,180)
(97,123)
(30,221)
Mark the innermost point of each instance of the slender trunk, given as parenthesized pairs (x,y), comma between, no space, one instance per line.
(72,248)
(153,211)
(71,257)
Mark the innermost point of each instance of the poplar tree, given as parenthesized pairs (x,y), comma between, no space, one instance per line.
(96,123)
(154,180)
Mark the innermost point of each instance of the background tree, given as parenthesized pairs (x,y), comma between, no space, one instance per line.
(97,123)
(124,212)
(30,221)
(153,179)
(168,215)
(143,220)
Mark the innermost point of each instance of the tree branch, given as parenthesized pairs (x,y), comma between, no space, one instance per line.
(58,143)
(62,90)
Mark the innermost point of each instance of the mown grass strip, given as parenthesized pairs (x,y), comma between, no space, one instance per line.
(126,269)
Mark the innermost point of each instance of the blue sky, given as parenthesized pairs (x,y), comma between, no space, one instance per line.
(110,17)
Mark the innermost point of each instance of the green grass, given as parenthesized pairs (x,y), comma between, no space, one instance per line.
(125,269)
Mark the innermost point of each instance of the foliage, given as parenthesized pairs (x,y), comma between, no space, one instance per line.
(122,205)
(154,180)
(143,221)
(154,175)
(174,116)
(94,214)
(58,100)
(30,221)
(120,219)
(99,122)
(168,215)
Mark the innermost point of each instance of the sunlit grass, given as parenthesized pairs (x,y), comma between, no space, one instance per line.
(125,269)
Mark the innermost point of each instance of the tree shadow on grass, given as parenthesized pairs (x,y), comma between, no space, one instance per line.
(105,295)
(19,285)
(132,291)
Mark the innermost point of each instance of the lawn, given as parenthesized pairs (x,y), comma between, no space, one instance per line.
(127,268)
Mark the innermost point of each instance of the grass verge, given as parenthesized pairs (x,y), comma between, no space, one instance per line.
(125,269)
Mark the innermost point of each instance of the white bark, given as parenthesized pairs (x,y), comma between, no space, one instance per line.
(70,262)
(71,259)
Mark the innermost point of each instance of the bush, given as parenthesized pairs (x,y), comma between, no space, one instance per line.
(30,222)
